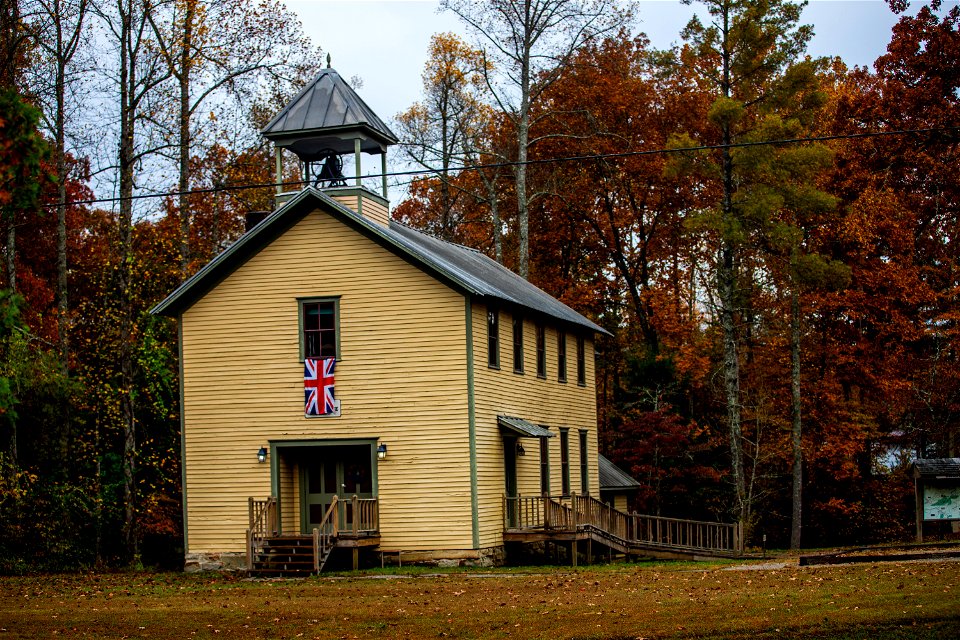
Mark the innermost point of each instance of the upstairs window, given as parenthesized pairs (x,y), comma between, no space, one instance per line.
(493,338)
(541,351)
(561,356)
(517,344)
(319,323)
(581,363)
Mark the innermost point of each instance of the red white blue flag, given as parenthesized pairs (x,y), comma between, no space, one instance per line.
(318,386)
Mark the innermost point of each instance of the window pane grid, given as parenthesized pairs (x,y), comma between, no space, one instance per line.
(320,329)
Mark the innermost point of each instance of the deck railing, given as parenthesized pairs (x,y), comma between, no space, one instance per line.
(573,513)
(687,534)
(361,516)
(591,511)
(262,525)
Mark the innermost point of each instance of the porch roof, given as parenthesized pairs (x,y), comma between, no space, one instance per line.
(523,428)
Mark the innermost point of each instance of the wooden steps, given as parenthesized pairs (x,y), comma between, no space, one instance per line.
(287,556)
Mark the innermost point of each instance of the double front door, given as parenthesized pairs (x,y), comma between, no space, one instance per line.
(341,471)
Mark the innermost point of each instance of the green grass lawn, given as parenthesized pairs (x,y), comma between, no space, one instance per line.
(650,600)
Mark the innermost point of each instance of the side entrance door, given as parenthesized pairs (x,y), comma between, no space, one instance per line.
(510,476)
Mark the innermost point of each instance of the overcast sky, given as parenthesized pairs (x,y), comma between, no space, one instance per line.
(385,42)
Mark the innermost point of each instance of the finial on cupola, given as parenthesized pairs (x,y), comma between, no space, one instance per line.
(324,122)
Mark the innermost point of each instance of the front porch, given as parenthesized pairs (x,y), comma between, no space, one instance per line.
(352,523)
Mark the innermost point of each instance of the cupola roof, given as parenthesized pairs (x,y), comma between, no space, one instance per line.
(328,115)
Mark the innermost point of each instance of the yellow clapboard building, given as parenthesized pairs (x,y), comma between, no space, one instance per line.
(458,385)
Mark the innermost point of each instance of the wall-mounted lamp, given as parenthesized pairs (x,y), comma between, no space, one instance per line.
(520,450)
(381,451)
(262,454)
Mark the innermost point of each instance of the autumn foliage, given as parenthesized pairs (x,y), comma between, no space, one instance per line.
(860,231)
(846,248)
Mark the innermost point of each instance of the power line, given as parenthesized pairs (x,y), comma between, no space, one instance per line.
(538,161)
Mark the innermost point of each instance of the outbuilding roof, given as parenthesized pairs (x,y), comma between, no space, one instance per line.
(461,268)
(324,107)
(937,468)
(613,478)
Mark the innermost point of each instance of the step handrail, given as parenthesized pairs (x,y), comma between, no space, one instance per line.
(262,516)
(325,535)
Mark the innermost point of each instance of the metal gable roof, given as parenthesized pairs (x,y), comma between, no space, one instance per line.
(464,269)
(613,477)
(328,103)
(490,278)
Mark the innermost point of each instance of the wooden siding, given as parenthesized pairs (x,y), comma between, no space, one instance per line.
(243,386)
(368,207)
(288,485)
(538,400)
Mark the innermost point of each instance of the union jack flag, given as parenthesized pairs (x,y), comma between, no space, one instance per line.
(318,386)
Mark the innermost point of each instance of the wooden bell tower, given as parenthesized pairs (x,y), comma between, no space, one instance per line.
(328,126)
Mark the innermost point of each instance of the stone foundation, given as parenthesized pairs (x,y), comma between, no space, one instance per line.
(237,561)
(487,557)
(226,561)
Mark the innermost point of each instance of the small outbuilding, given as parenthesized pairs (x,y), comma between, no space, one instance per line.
(616,485)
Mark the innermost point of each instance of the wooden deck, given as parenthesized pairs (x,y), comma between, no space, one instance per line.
(355,524)
(576,518)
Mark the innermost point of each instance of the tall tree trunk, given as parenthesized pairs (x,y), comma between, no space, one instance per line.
(490,184)
(727,284)
(523,214)
(495,218)
(795,523)
(63,339)
(128,85)
(184,116)
(523,140)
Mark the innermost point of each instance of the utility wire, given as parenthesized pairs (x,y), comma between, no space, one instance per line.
(539,161)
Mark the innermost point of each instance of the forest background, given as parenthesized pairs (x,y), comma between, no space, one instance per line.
(769,238)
